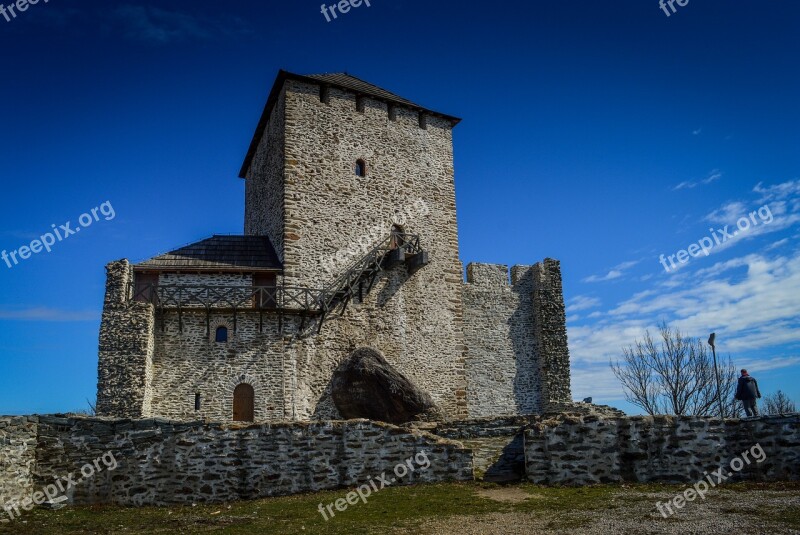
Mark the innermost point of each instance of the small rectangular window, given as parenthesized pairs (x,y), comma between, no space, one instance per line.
(324,94)
(360,104)
(197,401)
(392,112)
(423,121)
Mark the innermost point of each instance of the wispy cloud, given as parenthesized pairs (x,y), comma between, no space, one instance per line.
(614,273)
(713,176)
(582,302)
(697,132)
(159,26)
(47,314)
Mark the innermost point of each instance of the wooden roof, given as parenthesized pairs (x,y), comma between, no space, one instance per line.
(219,253)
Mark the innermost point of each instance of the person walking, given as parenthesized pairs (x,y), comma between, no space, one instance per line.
(747,392)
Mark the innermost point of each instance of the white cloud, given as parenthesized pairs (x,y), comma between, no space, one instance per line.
(778,244)
(713,176)
(615,272)
(582,302)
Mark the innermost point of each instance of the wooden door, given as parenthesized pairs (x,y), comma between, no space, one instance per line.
(243,403)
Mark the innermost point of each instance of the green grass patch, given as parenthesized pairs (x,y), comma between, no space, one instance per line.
(392,507)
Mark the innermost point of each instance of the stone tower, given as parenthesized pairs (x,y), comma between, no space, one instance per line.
(335,163)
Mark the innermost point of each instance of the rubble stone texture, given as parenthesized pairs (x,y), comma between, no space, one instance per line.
(160,462)
(584,450)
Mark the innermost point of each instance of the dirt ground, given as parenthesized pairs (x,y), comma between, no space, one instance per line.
(724,512)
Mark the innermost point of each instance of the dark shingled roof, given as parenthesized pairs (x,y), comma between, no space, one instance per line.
(340,80)
(359,86)
(225,253)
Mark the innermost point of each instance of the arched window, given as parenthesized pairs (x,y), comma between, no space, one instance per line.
(222,335)
(361,168)
(243,403)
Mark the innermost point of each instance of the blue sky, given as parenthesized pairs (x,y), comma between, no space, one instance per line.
(603,134)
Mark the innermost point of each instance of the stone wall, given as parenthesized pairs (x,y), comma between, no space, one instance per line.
(580,450)
(497,444)
(17,457)
(264,187)
(502,364)
(191,362)
(550,332)
(157,462)
(125,356)
(515,331)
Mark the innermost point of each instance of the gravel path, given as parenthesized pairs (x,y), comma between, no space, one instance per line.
(725,512)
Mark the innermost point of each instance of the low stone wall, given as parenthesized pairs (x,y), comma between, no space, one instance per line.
(17,456)
(497,442)
(159,462)
(580,450)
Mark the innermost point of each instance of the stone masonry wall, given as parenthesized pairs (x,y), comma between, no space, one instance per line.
(550,332)
(502,364)
(581,450)
(264,187)
(414,321)
(159,462)
(125,360)
(192,362)
(17,458)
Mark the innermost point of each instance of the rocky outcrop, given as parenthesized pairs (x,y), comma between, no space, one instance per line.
(365,385)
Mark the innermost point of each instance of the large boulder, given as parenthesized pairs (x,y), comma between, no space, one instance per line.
(365,385)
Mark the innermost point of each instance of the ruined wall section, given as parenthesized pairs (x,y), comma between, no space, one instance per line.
(17,459)
(550,332)
(502,363)
(587,450)
(160,462)
(125,361)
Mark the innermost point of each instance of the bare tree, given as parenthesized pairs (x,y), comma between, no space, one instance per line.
(676,376)
(779,403)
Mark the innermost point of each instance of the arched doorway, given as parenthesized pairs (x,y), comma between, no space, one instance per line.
(243,403)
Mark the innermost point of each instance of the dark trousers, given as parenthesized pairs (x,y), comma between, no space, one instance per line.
(750,407)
